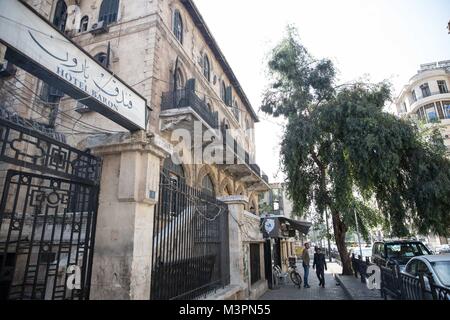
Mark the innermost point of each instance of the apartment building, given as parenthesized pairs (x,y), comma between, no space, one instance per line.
(426,97)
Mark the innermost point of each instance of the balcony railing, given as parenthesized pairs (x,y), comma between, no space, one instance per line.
(239,151)
(187,98)
(427,96)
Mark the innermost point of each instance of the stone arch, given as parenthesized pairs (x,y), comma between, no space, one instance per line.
(207,170)
(226,184)
(187,170)
(103,48)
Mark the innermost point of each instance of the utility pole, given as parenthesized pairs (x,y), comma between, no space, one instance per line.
(328,234)
(357,232)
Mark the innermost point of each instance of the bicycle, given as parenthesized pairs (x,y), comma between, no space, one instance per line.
(278,276)
(295,277)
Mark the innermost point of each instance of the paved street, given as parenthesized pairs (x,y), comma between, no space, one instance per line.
(289,291)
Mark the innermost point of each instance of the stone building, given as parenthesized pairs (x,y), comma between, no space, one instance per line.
(426,97)
(156,183)
(276,203)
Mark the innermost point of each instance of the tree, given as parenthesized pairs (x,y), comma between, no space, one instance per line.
(342,152)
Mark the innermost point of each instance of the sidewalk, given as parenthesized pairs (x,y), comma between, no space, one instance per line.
(355,289)
(289,291)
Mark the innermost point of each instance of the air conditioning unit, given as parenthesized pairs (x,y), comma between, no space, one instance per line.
(99,27)
(81,108)
(7,69)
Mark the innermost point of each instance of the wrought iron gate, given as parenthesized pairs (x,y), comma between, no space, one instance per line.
(190,242)
(47,222)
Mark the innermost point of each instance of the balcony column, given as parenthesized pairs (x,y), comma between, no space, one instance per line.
(128,193)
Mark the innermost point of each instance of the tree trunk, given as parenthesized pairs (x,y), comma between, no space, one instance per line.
(340,231)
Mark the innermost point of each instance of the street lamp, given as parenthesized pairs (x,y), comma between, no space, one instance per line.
(328,234)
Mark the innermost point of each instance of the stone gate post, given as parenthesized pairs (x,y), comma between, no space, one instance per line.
(236,205)
(128,194)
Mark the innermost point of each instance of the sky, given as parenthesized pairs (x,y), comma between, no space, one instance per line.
(381,39)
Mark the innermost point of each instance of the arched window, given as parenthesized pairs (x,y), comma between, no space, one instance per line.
(210,108)
(172,179)
(84,24)
(173,169)
(223,91)
(208,186)
(236,110)
(179,80)
(60,17)
(206,67)
(178,26)
(102,58)
(108,11)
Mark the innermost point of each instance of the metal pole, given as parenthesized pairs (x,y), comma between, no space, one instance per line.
(328,234)
(357,232)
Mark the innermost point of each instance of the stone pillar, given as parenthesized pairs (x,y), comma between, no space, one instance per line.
(128,194)
(236,205)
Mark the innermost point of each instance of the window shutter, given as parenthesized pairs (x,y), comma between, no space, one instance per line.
(190,84)
(228,96)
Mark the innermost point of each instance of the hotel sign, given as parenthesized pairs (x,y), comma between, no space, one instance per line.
(40,49)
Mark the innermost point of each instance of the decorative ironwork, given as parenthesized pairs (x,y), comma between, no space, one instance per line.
(26,147)
(190,242)
(187,98)
(438,292)
(47,229)
(240,155)
(390,283)
(402,286)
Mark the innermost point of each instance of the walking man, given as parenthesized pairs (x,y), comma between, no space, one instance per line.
(305,258)
(320,265)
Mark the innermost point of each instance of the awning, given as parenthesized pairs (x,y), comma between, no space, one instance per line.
(283,227)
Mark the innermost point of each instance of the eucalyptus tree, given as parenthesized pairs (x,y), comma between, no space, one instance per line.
(340,150)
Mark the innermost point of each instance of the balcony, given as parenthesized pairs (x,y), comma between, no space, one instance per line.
(185,101)
(421,100)
(243,166)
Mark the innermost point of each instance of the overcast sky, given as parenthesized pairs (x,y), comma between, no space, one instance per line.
(385,39)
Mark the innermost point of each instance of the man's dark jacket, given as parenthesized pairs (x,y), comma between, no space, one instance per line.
(319,261)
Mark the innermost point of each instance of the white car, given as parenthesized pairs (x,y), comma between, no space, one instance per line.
(443,249)
(437,265)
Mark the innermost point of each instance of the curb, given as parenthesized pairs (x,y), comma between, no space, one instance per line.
(341,284)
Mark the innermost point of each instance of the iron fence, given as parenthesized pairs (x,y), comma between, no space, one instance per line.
(190,242)
(47,228)
(47,222)
(399,285)
(360,266)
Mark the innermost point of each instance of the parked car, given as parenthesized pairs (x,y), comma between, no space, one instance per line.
(443,249)
(366,252)
(438,266)
(397,251)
